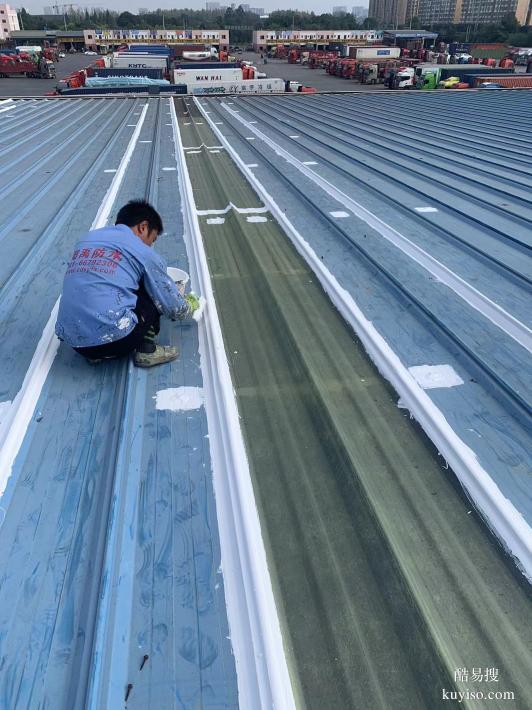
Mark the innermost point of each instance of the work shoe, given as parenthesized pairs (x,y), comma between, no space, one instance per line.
(161,354)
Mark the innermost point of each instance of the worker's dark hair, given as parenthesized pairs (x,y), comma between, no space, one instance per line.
(137,211)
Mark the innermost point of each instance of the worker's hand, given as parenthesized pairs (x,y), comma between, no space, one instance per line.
(180,287)
(193,302)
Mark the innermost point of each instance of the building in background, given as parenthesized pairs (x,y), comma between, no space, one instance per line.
(319,39)
(252,10)
(339,10)
(389,13)
(360,12)
(412,10)
(8,21)
(479,12)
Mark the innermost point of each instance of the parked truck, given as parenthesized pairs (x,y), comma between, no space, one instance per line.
(429,76)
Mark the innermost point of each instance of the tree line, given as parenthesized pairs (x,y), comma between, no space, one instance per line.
(241,23)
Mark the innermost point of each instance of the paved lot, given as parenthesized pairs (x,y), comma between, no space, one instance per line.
(21,86)
(310,77)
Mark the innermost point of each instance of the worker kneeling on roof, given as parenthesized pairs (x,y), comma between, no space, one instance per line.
(116,288)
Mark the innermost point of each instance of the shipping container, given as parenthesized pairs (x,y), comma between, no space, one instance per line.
(171,89)
(150,72)
(368,53)
(206,76)
(246,86)
(205,65)
(512,81)
(128,60)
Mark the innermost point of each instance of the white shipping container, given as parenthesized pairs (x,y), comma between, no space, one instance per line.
(245,86)
(378,52)
(141,61)
(206,76)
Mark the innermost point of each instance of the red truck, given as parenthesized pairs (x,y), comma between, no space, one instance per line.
(11,64)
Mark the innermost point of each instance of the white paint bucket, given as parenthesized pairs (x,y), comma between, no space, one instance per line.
(179,276)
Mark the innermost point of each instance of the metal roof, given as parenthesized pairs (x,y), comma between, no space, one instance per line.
(128,567)
(420,206)
(410,34)
(81,606)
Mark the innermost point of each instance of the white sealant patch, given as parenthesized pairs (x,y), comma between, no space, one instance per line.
(144,141)
(339,214)
(425,209)
(433,376)
(216,220)
(193,152)
(252,165)
(231,206)
(110,170)
(179,399)
(214,151)
(217,123)
(256,218)
(309,162)
(169,169)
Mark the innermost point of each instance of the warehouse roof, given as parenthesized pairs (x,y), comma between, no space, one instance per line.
(410,34)
(117,577)
(428,227)
(81,606)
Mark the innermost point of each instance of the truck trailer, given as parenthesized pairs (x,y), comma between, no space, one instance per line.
(368,54)
(504,81)
(206,76)
(245,86)
(131,60)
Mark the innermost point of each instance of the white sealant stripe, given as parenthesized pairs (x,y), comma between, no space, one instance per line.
(16,423)
(262,671)
(231,206)
(8,108)
(474,298)
(499,512)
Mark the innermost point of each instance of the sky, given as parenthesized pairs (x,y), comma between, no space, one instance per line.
(318,6)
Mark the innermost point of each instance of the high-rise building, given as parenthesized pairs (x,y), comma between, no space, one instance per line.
(339,10)
(432,12)
(8,21)
(388,13)
(360,12)
(412,9)
(439,11)
(212,6)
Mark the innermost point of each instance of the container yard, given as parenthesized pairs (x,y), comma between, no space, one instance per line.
(312,488)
